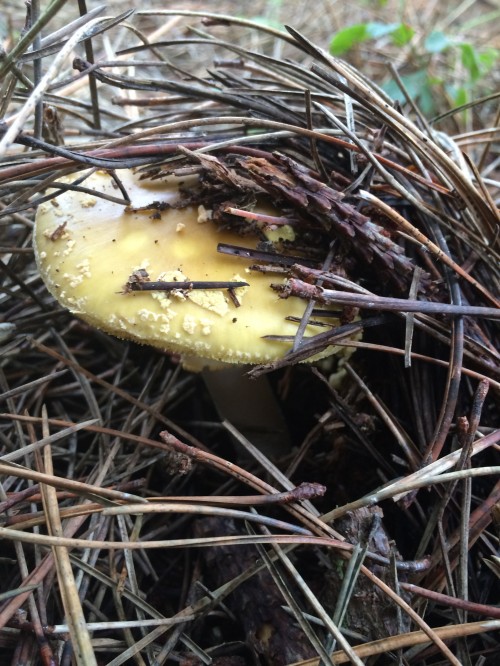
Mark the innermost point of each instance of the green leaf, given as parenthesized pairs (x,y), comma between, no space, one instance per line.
(488,59)
(413,83)
(461,96)
(437,42)
(419,88)
(470,61)
(376,29)
(345,39)
(402,34)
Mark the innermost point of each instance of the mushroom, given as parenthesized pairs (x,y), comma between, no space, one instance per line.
(99,259)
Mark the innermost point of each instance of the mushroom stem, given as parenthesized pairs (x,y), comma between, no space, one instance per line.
(251,407)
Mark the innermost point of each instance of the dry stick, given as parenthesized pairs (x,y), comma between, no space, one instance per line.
(479,521)
(55,629)
(198,455)
(37,73)
(484,190)
(395,350)
(409,639)
(46,653)
(454,374)
(55,38)
(225,541)
(35,578)
(411,613)
(30,385)
(68,159)
(487,147)
(89,55)
(395,597)
(186,507)
(410,318)
(99,494)
(432,473)
(465,463)
(10,135)
(80,638)
(123,143)
(44,567)
(405,443)
(453,602)
(372,302)
(161,285)
(94,493)
(321,612)
(299,494)
(412,231)
(23,522)
(143,441)
(299,335)
(202,542)
(29,448)
(118,391)
(63,541)
(304,491)
(138,646)
(221,18)
(375,101)
(29,36)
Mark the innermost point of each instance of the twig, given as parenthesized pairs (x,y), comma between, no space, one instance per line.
(296,287)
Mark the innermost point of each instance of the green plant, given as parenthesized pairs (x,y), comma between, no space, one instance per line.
(440,59)
(344,40)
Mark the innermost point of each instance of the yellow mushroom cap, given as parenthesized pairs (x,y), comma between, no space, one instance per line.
(87,248)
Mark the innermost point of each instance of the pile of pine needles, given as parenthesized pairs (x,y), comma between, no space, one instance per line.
(137,526)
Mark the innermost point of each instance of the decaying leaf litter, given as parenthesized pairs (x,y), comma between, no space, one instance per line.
(138,523)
